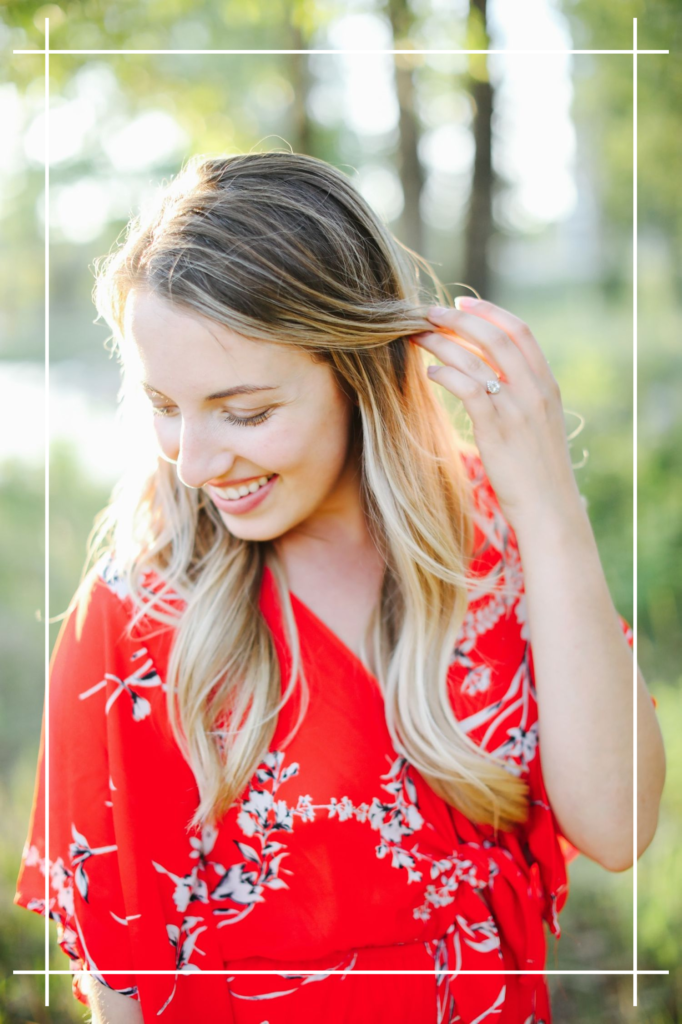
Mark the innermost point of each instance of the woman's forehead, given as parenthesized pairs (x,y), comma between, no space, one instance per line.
(163,339)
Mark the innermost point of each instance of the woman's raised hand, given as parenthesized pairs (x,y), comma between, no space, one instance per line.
(519,431)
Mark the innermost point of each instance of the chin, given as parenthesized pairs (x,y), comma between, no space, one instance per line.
(257,531)
(271,526)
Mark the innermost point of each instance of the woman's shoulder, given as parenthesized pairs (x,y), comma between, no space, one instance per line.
(101,596)
(104,606)
(109,577)
(104,649)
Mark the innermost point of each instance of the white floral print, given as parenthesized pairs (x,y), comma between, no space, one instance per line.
(80,851)
(143,677)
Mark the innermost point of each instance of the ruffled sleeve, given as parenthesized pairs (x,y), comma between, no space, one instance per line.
(85,895)
(492,686)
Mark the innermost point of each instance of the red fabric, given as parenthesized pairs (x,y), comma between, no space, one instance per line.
(338,857)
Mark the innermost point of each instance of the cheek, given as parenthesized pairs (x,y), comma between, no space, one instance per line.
(313,446)
(286,451)
(166,436)
(327,442)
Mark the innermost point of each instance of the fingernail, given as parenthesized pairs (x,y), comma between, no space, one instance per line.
(465,301)
(431,370)
(437,311)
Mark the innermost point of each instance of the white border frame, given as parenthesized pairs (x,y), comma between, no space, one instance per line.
(634,52)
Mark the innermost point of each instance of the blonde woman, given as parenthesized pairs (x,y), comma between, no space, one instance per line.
(295,711)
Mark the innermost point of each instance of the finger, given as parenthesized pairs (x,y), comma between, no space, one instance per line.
(458,356)
(422,338)
(471,393)
(518,331)
(497,344)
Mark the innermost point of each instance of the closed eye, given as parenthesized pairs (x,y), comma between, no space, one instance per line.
(249,421)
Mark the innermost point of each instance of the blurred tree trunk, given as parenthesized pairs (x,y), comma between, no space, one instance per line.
(409,167)
(301,135)
(479,222)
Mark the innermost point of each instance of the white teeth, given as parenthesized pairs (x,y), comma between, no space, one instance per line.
(240,492)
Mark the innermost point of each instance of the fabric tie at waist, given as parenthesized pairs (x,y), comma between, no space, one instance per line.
(497,901)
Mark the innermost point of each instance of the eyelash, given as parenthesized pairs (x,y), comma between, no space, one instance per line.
(251,421)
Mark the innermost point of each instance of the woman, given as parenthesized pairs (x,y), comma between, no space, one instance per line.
(293,712)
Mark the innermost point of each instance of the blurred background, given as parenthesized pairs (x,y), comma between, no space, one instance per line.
(511,173)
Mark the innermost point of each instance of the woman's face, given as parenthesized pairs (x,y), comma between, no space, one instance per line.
(299,425)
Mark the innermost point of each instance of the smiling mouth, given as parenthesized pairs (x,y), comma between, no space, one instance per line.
(240,491)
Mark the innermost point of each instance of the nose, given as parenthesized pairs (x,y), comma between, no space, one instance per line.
(198,458)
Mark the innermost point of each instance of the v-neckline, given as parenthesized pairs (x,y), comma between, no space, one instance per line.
(330,634)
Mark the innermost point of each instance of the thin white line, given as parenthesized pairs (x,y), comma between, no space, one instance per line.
(195,973)
(47,510)
(412,53)
(634,508)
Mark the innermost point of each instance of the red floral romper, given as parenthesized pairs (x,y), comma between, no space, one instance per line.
(338,859)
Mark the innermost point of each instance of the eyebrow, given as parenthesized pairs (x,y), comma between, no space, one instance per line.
(240,389)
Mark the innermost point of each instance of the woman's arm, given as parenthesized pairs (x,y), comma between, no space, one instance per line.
(583,664)
(584,678)
(110,1007)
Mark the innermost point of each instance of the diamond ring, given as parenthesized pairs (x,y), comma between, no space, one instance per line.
(492,386)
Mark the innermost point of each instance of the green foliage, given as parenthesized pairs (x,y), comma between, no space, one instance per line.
(22,559)
(477,39)
(604,100)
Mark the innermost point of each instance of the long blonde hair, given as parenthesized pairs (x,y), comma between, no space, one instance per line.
(280,246)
